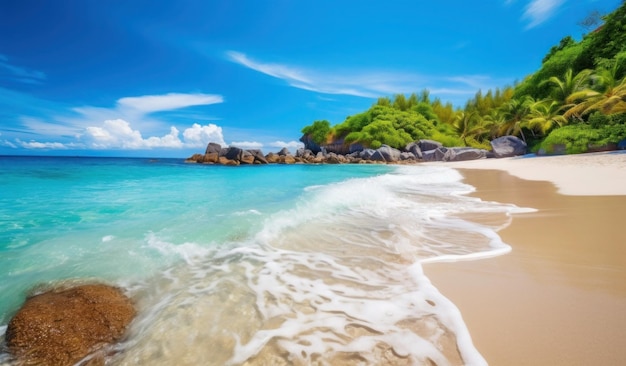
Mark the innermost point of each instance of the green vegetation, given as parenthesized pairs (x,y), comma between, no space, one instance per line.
(577,99)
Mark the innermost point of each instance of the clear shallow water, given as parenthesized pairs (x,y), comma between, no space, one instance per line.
(276,264)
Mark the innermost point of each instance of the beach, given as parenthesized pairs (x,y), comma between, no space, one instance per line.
(559,297)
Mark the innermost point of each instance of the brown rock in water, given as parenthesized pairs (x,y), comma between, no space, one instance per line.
(61,327)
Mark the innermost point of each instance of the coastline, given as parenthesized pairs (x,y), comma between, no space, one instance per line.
(558,298)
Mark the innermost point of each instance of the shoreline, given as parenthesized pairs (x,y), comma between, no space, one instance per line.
(558,297)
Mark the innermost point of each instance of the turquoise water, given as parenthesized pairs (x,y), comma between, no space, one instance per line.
(294,256)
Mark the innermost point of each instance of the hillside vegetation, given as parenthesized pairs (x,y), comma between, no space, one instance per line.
(577,99)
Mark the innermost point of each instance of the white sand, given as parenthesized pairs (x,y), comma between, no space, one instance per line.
(597,174)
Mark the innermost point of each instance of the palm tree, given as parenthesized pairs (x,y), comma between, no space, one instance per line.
(545,115)
(610,99)
(516,113)
(469,124)
(571,91)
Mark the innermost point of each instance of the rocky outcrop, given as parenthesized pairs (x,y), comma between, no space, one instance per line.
(61,327)
(507,146)
(422,150)
(309,144)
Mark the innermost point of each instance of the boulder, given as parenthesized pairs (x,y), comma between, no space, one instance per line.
(226,161)
(195,158)
(414,148)
(389,153)
(435,155)
(367,154)
(284,152)
(377,156)
(211,157)
(337,146)
(272,158)
(287,159)
(258,156)
(61,327)
(427,145)
(407,156)
(464,153)
(234,153)
(247,158)
(507,146)
(212,147)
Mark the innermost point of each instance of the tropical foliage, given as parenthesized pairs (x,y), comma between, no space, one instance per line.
(576,99)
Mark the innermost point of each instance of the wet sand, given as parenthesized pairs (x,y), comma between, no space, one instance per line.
(559,298)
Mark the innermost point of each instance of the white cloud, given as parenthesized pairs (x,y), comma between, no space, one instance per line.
(247,144)
(8,143)
(198,136)
(289,145)
(539,11)
(367,84)
(118,134)
(166,102)
(41,145)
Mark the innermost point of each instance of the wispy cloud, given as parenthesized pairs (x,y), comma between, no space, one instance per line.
(18,73)
(539,11)
(122,127)
(365,84)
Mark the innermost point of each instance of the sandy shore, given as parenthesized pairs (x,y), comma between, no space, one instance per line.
(559,298)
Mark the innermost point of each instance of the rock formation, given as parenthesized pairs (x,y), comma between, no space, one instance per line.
(61,327)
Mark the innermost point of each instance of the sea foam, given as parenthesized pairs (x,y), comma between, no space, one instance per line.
(335,279)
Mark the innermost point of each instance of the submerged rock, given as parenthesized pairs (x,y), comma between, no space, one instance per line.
(61,327)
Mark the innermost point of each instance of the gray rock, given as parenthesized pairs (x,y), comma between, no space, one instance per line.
(464,153)
(284,152)
(426,145)
(407,156)
(356,147)
(414,148)
(389,153)
(367,154)
(212,147)
(507,146)
(309,144)
(234,153)
(377,156)
(435,155)
(259,158)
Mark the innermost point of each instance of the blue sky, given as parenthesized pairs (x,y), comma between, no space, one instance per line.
(163,78)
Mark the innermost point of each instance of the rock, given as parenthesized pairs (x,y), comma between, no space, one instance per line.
(435,155)
(464,153)
(507,146)
(427,145)
(337,146)
(367,154)
(212,147)
(226,161)
(195,158)
(211,157)
(247,158)
(355,148)
(284,152)
(414,148)
(234,153)
(621,145)
(287,159)
(309,144)
(272,158)
(258,156)
(389,153)
(61,327)
(407,156)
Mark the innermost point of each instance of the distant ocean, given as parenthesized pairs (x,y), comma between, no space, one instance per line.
(293,264)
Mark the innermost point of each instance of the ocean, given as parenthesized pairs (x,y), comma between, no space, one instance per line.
(278,264)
